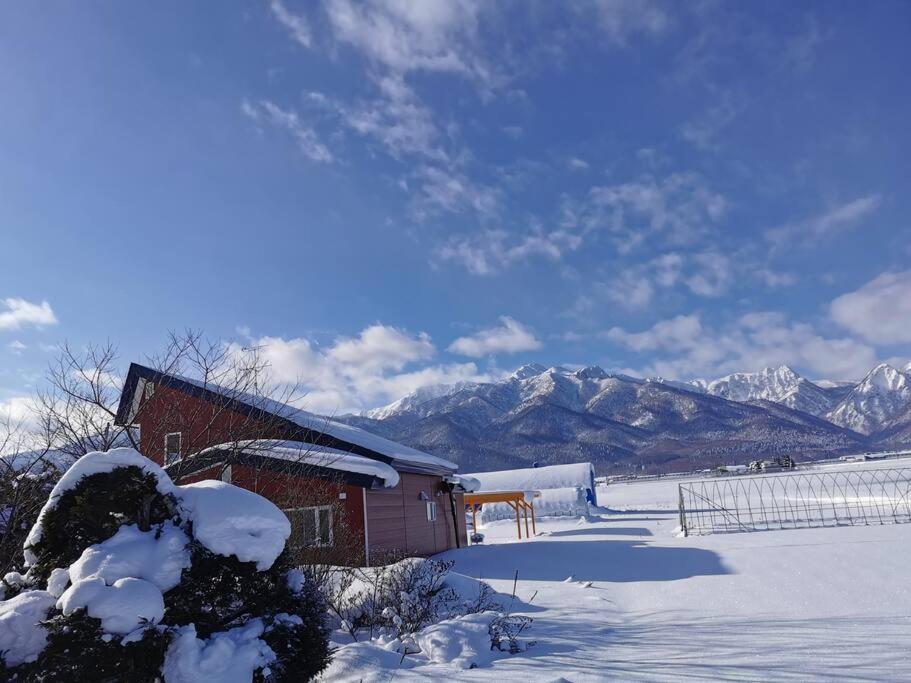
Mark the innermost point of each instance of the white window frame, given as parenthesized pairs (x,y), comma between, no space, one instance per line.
(431,511)
(318,543)
(168,459)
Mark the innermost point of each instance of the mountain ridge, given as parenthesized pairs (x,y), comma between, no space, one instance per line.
(558,414)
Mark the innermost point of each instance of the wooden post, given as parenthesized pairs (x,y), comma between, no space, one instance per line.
(515,506)
(525,514)
(474,518)
(532,506)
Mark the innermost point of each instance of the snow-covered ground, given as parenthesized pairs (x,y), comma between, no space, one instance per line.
(620,597)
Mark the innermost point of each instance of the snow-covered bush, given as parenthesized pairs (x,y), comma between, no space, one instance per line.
(416,613)
(130,577)
(506,630)
(401,598)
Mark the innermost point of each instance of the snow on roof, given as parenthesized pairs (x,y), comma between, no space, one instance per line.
(87,465)
(308,454)
(318,423)
(537,478)
(468,483)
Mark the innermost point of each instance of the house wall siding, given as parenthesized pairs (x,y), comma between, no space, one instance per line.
(397,517)
(201,424)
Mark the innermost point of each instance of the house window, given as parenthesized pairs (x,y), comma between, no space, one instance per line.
(172,447)
(431,511)
(310,527)
(148,390)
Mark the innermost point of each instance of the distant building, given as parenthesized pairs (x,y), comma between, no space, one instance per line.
(334,481)
(565,489)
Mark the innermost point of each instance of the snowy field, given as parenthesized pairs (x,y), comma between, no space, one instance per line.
(621,597)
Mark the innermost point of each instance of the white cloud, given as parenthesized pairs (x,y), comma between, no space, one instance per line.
(296,24)
(16,347)
(404,36)
(880,311)
(304,135)
(623,19)
(703,130)
(577,164)
(360,372)
(489,251)
(775,278)
(407,130)
(510,336)
(827,224)
(20,313)
(448,189)
(708,273)
(396,118)
(17,412)
(712,275)
(800,50)
(380,347)
(398,385)
(633,289)
(667,269)
(682,347)
(680,207)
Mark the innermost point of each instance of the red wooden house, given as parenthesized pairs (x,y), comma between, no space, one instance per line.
(390,499)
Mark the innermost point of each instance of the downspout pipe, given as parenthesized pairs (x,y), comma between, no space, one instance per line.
(450,488)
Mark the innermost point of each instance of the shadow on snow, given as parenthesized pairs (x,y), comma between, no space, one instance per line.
(594,560)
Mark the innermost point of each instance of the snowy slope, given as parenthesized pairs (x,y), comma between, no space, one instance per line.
(881,397)
(781,385)
(414,400)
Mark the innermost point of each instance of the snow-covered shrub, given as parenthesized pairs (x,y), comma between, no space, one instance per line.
(130,577)
(417,612)
(401,598)
(505,631)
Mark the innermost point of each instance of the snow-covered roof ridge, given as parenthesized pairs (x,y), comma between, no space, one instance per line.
(401,456)
(315,456)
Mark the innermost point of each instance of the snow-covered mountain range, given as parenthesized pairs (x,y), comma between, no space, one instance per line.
(557,414)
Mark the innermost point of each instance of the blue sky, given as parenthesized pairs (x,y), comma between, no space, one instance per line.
(387,195)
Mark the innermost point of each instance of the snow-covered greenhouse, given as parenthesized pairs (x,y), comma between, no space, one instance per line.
(565,490)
